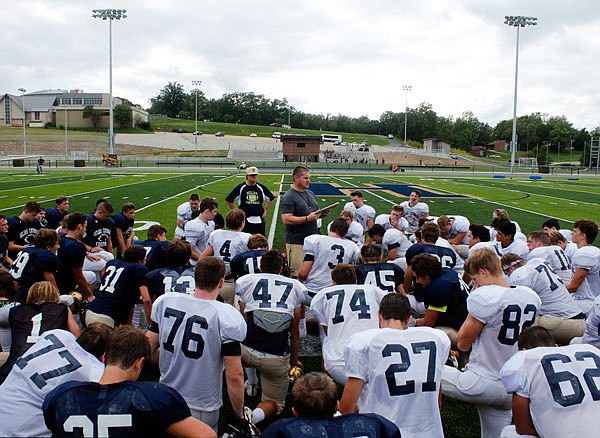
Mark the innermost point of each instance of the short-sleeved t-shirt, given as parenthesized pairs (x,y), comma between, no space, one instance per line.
(21,232)
(251,198)
(299,204)
(54,217)
(98,232)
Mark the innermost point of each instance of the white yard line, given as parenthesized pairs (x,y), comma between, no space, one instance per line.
(275,214)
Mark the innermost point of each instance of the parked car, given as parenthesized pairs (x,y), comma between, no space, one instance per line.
(220,134)
(391,136)
(197,132)
(253,135)
(276,134)
(337,143)
(454,156)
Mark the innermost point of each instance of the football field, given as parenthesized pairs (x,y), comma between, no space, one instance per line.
(157,193)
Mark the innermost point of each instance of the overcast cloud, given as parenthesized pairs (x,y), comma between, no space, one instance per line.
(325,56)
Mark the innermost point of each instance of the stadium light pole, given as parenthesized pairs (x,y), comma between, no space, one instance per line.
(196,84)
(518,22)
(406,89)
(23,90)
(66,136)
(110,15)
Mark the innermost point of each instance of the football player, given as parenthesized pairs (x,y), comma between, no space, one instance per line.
(479,238)
(8,294)
(99,230)
(226,244)
(362,213)
(395,371)
(184,214)
(271,304)
(248,262)
(539,246)
(54,215)
(414,210)
(355,230)
(558,312)
(553,393)
(592,326)
(394,243)
(552,224)
(386,276)
(323,253)
(497,315)
(197,230)
(585,283)
(156,246)
(122,285)
(342,310)
(36,263)
(57,357)
(123,226)
(178,276)
(505,234)
(118,402)
(395,219)
(197,337)
(5,260)
(22,228)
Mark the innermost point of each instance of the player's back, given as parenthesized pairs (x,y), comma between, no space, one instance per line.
(192,331)
(247,262)
(564,397)
(592,326)
(174,279)
(446,256)
(327,252)
(227,244)
(588,258)
(345,309)
(556,258)
(506,312)
(56,358)
(123,409)
(402,370)
(155,253)
(386,276)
(29,268)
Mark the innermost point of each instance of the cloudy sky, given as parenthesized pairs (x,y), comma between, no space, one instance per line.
(324,56)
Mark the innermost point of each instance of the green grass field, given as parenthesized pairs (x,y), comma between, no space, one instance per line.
(157,194)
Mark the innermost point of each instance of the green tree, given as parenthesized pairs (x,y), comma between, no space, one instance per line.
(122,115)
(169,101)
(89,112)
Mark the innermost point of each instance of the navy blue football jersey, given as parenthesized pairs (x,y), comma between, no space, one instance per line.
(29,268)
(3,245)
(21,232)
(448,295)
(98,232)
(27,323)
(247,262)
(125,409)
(156,251)
(119,289)
(446,256)
(386,276)
(54,217)
(71,254)
(344,426)
(163,280)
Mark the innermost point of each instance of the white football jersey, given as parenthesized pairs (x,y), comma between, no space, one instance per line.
(361,214)
(384,221)
(567,234)
(191,333)
(592,326)
(538,275)
(460,224)
(273,292)
(413,214)
(493,245)
(54,359)
(561,384)
(506,312)
(570,250)
(518,247)
(197,232)
(327,252)
(459,267)
(556,258)
(345,309)
(227,244)
(355,233)
(393,238)
(588,258)
(402,371)
(184,214)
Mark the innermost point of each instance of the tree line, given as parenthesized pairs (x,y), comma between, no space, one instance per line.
(537,133)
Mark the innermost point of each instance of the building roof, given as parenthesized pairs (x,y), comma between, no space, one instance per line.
(35,102)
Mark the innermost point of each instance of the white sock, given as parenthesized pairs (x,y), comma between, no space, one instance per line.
(252,377)
(302,327)
(258,415)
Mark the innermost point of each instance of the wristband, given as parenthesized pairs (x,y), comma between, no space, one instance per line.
(306,218)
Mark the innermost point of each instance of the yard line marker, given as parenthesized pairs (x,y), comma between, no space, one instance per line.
(275,215)
(147,197)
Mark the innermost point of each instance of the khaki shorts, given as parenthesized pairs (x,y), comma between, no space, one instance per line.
(295,257)
(228,292)
(273,371)
(563,330)
(91,317)
(3,357)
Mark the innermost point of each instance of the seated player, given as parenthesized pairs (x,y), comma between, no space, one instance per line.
(479,237)
(122,285)
(386,276)
(539,246)
(22,228)
(178,276)
(118,402)
(505,234)
(194,338)
(394,243)
(123,227)
(156,246)
(497,315)
(37,263)
(184,214)
(226,244)
(8,296)
(592,326)
(271,304)
(342,310)
(454,229)
(568,247)
(552,224)
(323,253)
(553,391)
(42,312)
(54,215)
(315,404)
(499,215)
(99,230)
(396,371)
(248,262)
(57,357)
(355,231)
(5,260)
(394,220)
(362,213)
(198,229)
(558,312)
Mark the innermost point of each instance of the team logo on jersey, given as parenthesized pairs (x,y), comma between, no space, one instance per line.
(252,198)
